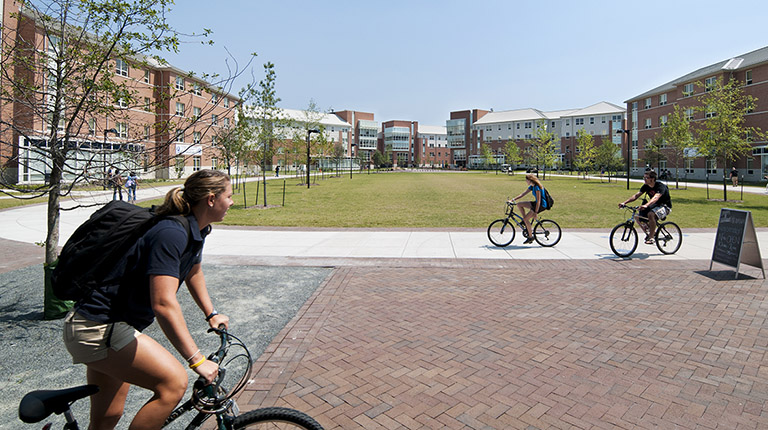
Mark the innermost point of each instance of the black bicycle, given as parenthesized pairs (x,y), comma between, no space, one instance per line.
(502,231)
(624,239)
(216,399)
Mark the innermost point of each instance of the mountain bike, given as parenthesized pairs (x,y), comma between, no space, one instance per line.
(216,399)
(623,239)
(502,231)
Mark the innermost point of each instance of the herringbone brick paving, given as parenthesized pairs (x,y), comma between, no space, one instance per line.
(533,345)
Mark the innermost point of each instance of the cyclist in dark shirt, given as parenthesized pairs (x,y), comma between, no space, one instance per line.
(103,331)
(657,208)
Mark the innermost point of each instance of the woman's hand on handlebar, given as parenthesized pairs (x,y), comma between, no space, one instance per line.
(219,320)
(622,205)
(208,370)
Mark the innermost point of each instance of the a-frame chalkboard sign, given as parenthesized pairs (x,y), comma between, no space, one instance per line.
(736,241)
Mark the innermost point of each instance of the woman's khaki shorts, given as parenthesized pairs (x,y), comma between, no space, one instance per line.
(87,340)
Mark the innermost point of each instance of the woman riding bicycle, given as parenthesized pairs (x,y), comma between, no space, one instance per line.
(534,207)
(103,331)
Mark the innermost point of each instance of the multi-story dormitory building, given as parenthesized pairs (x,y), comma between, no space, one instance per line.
(648,111)
(468,130)
(155,135)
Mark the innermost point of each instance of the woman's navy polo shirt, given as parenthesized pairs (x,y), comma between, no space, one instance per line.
(163,250)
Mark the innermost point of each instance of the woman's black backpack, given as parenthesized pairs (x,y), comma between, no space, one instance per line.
(99,244)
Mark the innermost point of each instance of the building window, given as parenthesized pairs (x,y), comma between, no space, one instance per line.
(179,83)
(121,67)
(122,129)
(196,112)
(147,104)
(146,76)
(615,118)
(214,98)
(196,89)
(179,135)
(712,166)
(528,125)
(196,137)
(92,127)
(122,103)
(214,119)
(662,120)
(180,108)
(648,103)
(579,121)
(709,84)
(688,90)
(226,122)
(647,123)
(226,102)
(591,120)
(709,113)
(749,77)
(662,100)
(689,114)
(602,119)
(147,132)
(214,163)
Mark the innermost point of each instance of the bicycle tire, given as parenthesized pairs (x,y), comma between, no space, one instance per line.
(625,243)
(547,233)
(668,237)
(501,232)
(275,418)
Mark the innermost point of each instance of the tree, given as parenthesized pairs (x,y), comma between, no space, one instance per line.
(62,81)
(608,156)
(652,152)
(379,159)
(585,151)
(337,152)
(723,134)
(676,132)
(512,153)
(266,120)
(542,147)
(488,156)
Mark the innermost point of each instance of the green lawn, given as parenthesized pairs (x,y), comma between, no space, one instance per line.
(455,199)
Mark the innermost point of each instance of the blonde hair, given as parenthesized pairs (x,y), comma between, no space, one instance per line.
(531,177)
(198,186)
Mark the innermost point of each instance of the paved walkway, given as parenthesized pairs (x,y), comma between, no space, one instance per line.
(437,329)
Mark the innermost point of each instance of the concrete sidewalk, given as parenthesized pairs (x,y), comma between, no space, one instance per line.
(27,224)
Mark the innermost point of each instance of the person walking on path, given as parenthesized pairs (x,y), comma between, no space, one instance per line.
(103,330)
(131,182)
(117,185)
(734,176)
(534,207)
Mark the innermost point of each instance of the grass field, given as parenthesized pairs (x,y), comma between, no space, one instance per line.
(467,199)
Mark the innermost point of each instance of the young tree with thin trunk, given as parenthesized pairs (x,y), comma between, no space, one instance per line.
(585,151)
(723,134)
(513,155)
(676,132)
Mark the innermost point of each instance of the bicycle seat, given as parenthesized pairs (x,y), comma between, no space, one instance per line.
(37,405)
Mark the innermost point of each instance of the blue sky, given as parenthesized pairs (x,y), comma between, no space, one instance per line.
(420,60)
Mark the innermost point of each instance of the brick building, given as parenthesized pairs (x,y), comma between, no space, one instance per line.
(166,127)
(649,110)
(468,130)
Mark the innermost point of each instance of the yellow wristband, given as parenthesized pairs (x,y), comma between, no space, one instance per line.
(193,366)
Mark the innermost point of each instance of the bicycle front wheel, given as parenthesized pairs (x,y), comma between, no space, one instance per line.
(547,233)
(277,419)
(501,232)
(668,237)
(623,240)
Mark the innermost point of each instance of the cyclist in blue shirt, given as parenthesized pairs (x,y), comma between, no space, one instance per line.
(529,209)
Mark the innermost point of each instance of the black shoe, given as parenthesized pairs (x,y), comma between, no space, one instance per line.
(527,241)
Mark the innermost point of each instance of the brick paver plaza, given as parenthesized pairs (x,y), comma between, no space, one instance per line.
(510,344)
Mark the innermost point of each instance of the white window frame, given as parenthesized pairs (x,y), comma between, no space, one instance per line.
(180,109)
(662,100)
(179,84)
(121,67)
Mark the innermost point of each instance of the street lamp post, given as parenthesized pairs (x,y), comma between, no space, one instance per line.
(351,154)
(309,132)
(104,155)
(629,154)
